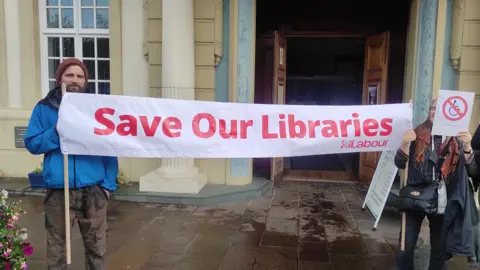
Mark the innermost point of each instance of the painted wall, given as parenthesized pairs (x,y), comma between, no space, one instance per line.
(242,75)
(411,50)
(449,77)
(18,94)
(135,33)
(435,39)
(426,45)
(130,66)
(469,55)
(222,69)
(208,53)
(17,162)
(218,67)
(243,92)
(3,59)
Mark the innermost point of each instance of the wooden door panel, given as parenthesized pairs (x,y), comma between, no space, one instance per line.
(375,60)
(278,93)
(374,91)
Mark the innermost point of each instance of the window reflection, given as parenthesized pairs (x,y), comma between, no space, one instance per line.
(102,18)
(68,3)
(87,18)
(52,18)
(84,23)
(67,18)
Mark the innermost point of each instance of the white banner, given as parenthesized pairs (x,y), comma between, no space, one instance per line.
(126,126)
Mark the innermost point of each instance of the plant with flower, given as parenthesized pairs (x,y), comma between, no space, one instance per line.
(13,246)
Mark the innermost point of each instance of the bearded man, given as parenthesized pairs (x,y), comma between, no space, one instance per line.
(91,178)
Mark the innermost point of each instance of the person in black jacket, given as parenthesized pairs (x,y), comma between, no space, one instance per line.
(476,182)
(431,159)
(476,141)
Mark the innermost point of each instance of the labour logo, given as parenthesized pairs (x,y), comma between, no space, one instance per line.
(455,108)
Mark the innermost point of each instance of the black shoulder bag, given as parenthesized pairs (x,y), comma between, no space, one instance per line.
(420,197)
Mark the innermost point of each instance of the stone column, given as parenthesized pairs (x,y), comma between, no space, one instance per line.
(13,53)
(177,175)
(425,60)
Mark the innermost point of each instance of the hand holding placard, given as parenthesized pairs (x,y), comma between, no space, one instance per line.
(453,112)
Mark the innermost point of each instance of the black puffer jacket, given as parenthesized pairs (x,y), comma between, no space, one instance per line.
(476,139)
(476,147)
(476,151)
(459,213)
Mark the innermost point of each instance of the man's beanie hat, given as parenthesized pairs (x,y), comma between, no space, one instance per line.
(65,64)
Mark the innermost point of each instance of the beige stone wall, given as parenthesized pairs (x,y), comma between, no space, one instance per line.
(3,60)
(411,51)
(467,38)
(19,162)
(13,161)
(204,13)
(30,47)
(116,62)
(207,39)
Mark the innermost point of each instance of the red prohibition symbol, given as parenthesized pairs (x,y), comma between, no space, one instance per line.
(451,109)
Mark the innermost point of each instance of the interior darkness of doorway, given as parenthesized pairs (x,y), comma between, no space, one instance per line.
(323,23)
(325,71)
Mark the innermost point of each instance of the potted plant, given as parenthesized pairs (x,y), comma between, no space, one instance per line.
(122,179)
(36,177)
(13,246)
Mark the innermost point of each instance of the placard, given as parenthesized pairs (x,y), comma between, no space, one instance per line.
(381,185)
(454,110)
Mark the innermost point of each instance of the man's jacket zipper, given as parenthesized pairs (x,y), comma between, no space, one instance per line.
(74,172)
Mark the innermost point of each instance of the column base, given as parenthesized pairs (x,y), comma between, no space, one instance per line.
(173,180)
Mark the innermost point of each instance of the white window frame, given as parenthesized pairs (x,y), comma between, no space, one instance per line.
(77,32)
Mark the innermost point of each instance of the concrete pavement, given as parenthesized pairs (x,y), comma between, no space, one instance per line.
(300,226)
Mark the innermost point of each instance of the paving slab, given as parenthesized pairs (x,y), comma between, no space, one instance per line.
(300,226)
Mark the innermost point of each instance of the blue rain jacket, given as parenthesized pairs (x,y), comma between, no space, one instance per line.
(42,138)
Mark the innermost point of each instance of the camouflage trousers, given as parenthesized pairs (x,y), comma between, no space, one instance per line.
(89,207)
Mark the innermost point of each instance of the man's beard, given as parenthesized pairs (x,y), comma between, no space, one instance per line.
(75,88)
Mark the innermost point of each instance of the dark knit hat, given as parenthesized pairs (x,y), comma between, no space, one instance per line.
(70,62)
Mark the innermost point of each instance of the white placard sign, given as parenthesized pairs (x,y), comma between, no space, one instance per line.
(454,109)
(381,185)
(124,126)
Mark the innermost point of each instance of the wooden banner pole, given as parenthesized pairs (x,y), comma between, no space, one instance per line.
(404,216)
(66,189)
(405,178)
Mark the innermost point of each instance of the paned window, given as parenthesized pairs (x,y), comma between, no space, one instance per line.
(75,28)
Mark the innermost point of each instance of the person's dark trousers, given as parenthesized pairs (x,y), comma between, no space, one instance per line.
(405,259)
(89,207)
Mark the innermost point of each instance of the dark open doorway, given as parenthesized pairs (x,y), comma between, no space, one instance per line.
(325,71)
(328,44)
